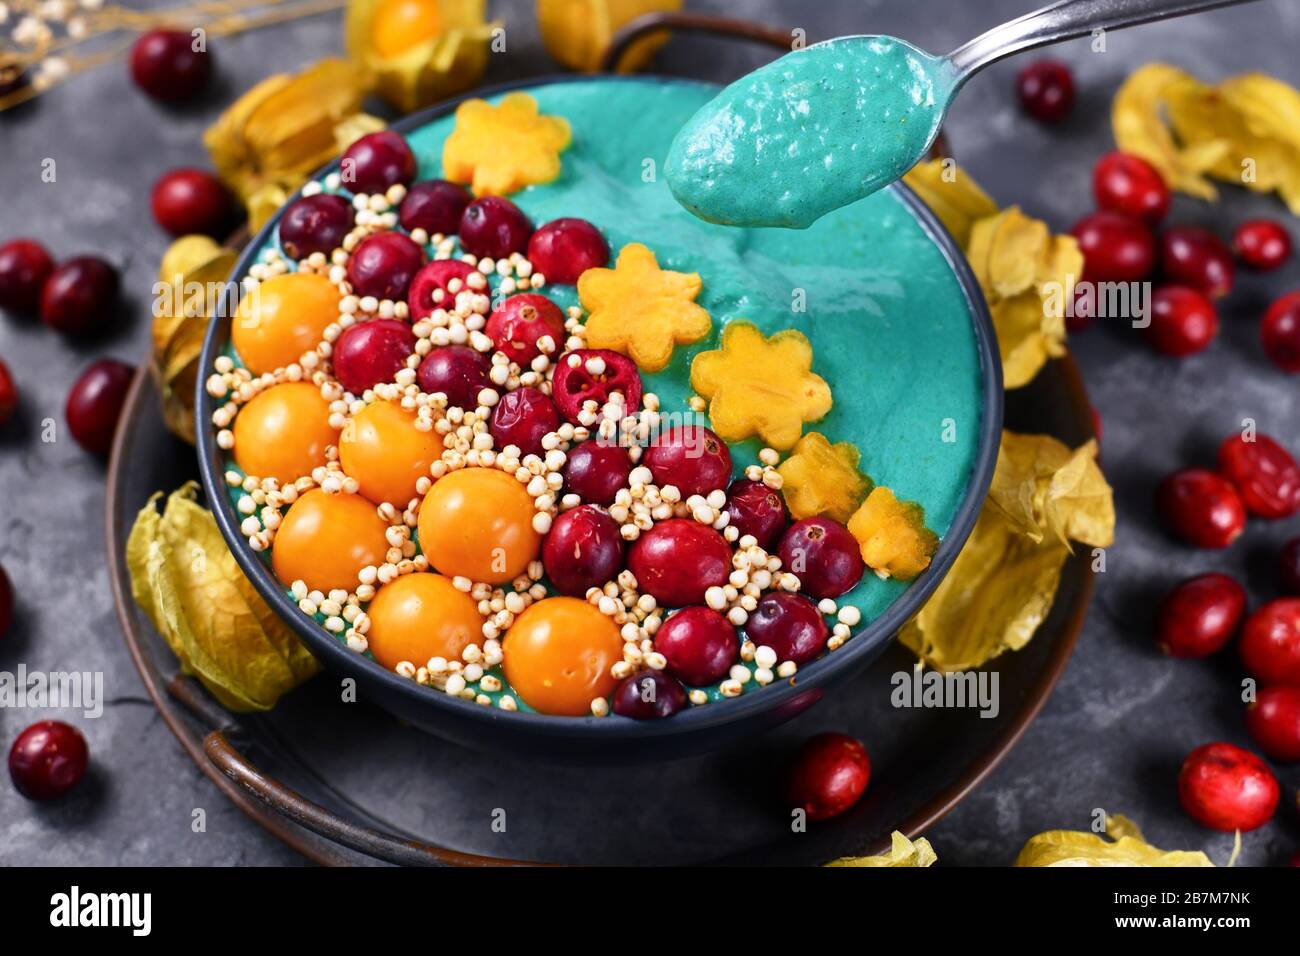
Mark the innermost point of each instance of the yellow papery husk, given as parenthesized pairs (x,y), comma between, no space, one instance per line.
(577,32)
(902,852)
(952,195)
(449,63)
(1122,845)
(187,582)
(1002,585)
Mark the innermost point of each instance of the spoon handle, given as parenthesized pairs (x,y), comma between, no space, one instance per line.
(1065,20)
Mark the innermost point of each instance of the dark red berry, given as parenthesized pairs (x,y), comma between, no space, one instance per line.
(80,296)
(691,458)
(699,644)
(583,550)
(372,352)
(383,265)
(647,695)
(677,560)
(579,378)
(790,624)
(1116,248)
(170,65)
(6,602)
(1288,567)
(521,321)
(1262,244)
(522,418)
(95,404)
(1270,643)
(432,286)
(24,267)
(1046,89)
(1280,332)
(494,226)
(1273,720)
(1226,788)
(1083,307)
(1202,508)
(1194,256)
(1128,184)
(435,206)
(755,509)
(564,249)
(1200,616)
(828,776)
(376,162)
(47,760)
(595,471)
(1183,321)
(186,201)
(825,557)
(1266,476)
(315,224)
(458,371)
(1096,423)
(8,395)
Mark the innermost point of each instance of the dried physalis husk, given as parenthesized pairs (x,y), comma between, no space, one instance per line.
(902,852)
(191,284)
(951,195)
(576,32)
(1002,585)
(417,52)
(186,580)
(1122,845)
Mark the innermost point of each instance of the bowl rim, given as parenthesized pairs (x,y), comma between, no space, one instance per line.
(856,652)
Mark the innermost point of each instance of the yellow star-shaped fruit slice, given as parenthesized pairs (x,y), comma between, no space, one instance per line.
(893,537)
(501,149)
(823,479)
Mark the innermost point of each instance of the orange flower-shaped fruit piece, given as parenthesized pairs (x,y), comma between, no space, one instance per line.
(760,387)
(501,149)
(823,479)
(892,534)
(640,310)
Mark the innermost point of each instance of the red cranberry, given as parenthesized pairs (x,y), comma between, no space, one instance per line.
(1266,475)
(564,249)
(1128,184)
(699,644)
(583,550)
(8,395)
(690,457)
(823,555)
(1226,788)
(430,287)
(1262,244)
(1197,257)
(24,267)
(1200,615)
(376,162)
(1270,642)
(1046,89)
(458,371)
(79,296)
(1201,507)
(677,560)
(384,264)
(186,201)
(755,509)
(595,471)
(1288,567)
(95,403)
(578,379)
(1183,321)
(47,760)
(790,624)
(315,224)
(6,602)
(1273,720)
(435,206)
(829,775)
(372,352)
(494,226)
(1280,332)
(1116,248)
(166,65)
(521,321)
(521,418)
(1096,423)
(647,695)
